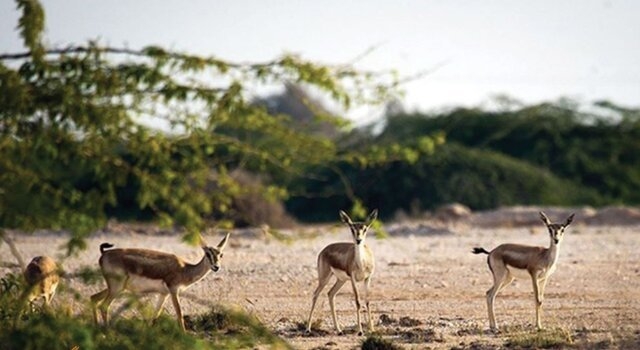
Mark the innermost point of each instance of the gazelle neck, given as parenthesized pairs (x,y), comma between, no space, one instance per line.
(360,253)
(194,273)
(553,250)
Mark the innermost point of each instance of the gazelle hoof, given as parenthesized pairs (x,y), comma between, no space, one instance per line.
(360,333)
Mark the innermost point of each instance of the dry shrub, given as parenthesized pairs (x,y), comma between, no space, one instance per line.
(250,208)
(545,339)
(253,209)
(378,343)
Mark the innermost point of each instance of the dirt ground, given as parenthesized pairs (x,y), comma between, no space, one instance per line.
(428,290)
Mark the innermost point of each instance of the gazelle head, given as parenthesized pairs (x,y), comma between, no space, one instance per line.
(359,229)
(214,255)
(556,231)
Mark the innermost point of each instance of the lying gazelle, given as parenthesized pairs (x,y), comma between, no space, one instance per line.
(539,262)
(150,271)
(41,275)
(348,262)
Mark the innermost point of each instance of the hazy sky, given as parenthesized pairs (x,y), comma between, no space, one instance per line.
(530,50)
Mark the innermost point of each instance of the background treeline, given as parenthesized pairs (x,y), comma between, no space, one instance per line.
(551,154)
(89,131)
(556,153)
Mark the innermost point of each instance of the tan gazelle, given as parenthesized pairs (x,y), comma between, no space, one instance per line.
(42,277)
(148,271)
(351,262)
(538,262)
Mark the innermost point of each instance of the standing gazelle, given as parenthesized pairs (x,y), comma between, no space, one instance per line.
(348,262)
(539,262)
(150,271)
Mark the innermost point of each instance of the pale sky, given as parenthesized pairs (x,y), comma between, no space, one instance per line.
(532,51)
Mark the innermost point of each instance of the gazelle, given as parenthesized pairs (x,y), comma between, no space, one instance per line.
(539,262)
(41,275)
(150,271)
(348,262)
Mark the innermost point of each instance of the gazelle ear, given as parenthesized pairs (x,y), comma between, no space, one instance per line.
(569,220)
(372,216)
(224,241)
(345,218)
(203,243)
(545,219)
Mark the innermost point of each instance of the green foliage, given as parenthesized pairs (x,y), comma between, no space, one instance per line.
(599,149)
(91,130)
(11,286)
(56,329)
(49,331)
(354,177)
(479,179)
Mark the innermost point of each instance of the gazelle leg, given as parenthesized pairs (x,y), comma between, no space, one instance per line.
(161,301)
(176,305)
(541,286)
(355,292)
(96,300)
(323,278)
(115,285)
(104,307)
(366,302)
(507,281)
(538,300)
(501,277)
(332,296)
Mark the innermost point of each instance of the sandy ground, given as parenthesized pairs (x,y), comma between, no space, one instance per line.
(428,290)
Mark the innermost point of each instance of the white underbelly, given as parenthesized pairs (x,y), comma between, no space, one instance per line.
(519,273)
(341,275)
(138,284)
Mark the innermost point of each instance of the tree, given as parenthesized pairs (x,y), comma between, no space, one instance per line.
(80,123)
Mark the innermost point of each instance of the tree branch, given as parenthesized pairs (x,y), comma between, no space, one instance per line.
(13,248)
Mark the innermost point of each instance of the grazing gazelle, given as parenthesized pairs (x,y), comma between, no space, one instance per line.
(348,262)
(42,279)
(539,262)
(150,271)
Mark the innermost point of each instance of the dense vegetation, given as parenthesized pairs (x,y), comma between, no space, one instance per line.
(552,153)
(88,131)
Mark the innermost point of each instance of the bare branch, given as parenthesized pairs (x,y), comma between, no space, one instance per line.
(13,248)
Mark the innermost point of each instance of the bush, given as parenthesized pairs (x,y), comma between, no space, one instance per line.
(479,179)
(56,329)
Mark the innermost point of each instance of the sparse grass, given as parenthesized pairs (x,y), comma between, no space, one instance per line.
(300,327)
(407,321)
(234,328)
(374,342)
(544,339)
(420,336)
(472,329)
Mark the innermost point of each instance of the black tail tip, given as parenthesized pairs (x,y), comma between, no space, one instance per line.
(104,246)
(478,250)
